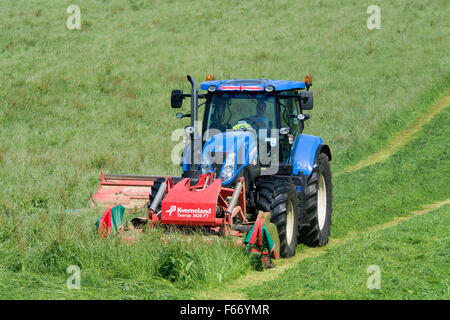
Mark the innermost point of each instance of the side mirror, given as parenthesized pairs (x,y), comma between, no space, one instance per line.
(176,99)
(306,100)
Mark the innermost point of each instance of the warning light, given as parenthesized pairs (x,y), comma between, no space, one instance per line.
(308,80)
(209,77)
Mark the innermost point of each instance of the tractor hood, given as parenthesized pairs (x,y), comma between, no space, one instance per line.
(227,153)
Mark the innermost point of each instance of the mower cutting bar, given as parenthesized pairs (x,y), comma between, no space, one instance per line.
(128,190)
(111,178)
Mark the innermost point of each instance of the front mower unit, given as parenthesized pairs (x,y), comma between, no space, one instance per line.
(213,208)
(129,191)
(206,203)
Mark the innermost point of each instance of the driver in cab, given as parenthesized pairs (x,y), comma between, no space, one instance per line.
(258,121)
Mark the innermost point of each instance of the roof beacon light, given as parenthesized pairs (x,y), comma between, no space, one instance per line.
(269,88)
(308,81)
(209,77)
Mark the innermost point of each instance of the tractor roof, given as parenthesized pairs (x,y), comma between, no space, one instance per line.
(252,85)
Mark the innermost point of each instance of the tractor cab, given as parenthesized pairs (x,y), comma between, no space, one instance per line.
(247,125)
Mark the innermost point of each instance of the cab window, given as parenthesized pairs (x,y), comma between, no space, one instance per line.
(227,110)
(289,106)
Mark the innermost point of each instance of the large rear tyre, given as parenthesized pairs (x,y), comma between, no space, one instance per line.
(279,197)
(318,206)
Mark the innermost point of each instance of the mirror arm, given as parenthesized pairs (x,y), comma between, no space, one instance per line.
(201,104)
(288,96)
(188,95)
(181,115)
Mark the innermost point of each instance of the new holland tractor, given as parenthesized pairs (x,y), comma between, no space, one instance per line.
(247,168)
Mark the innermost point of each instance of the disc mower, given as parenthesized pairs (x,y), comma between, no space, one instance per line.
(247,170)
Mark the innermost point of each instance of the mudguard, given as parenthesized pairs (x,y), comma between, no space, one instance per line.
(305,152)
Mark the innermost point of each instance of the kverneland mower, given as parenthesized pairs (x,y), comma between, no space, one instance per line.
(247,170)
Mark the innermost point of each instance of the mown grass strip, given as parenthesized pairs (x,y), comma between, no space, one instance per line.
(381,194)
(416,175)
(237,290)
(411,255)
(402,138)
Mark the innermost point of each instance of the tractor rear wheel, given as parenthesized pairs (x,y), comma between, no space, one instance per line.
(318,205)
(279,197)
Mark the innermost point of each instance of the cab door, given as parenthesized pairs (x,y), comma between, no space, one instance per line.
(289,109)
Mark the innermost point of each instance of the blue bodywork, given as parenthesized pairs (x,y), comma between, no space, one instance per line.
(240,147)
(303,154)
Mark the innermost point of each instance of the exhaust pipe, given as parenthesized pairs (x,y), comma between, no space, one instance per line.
(194,101)
(194,170)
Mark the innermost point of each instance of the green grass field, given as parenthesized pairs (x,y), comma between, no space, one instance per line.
(412,258)
(74,102)
(370,197)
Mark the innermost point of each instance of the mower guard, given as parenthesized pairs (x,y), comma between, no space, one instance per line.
(183,206)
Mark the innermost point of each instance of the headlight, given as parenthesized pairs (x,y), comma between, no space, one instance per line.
(189,129)
(228,167)
(205,165)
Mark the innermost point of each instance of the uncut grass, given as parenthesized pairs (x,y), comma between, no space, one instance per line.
(412,257)
(42,286)
(43,244)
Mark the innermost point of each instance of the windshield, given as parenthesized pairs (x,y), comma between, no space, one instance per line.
(240,111)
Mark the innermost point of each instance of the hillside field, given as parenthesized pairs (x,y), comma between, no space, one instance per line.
(77,102)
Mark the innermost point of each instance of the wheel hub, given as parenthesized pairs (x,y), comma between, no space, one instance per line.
(290,223)
(321,202)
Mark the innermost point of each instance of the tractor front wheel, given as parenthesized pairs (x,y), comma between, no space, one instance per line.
(279,197)
(318,205)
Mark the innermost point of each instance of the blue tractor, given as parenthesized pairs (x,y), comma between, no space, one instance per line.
(253,129)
